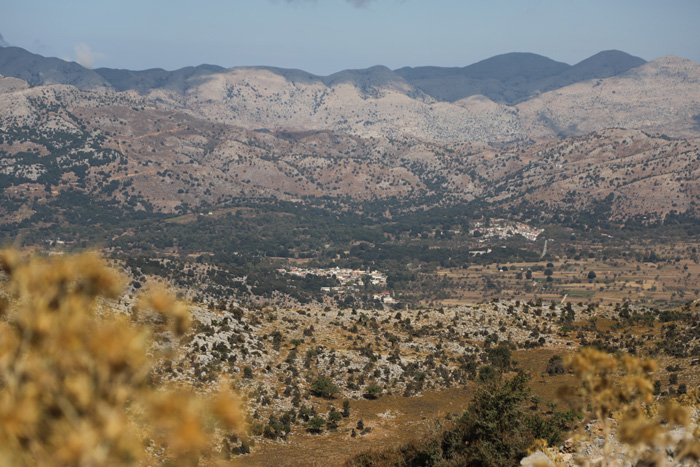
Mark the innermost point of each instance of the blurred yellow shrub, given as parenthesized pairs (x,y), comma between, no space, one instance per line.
(74,383)
(618,394)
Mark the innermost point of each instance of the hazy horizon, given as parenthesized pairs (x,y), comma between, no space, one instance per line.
(326,36)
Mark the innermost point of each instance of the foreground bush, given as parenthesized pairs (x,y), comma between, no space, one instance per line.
(74,376)
(618,391)
(616,394)
(494,431)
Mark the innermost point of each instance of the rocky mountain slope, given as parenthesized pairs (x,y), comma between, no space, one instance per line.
(56,138)
(506,98)
(203,136)
(660,91)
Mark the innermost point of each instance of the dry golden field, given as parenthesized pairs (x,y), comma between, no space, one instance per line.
(393,419)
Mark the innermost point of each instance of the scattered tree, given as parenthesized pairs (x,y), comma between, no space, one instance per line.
(555,365)
(316,424)
(324,387)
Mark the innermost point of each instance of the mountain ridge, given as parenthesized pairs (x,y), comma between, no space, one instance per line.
(38,70)
(505,68)
(662,96)
(515,77)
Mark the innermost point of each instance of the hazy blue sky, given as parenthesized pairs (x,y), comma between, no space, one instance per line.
(324,36)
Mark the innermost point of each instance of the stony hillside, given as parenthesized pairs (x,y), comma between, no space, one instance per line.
(610,89)
(120,148)
(398,368)
(663,90)
(618,173)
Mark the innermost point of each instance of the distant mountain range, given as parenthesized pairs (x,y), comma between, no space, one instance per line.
(508,78)
(520,131)
(510,97)
(515,77)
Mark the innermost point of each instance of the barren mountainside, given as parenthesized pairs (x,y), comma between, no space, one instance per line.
(204,136)
(56,138)
(506,98)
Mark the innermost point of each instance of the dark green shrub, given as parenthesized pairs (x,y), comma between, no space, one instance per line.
(324,387)
(486,373)
(494,431)
(500,356)
(316,424)
(372,391)
(555,365)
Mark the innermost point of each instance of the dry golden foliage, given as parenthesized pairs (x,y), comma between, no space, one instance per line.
(619,392)
(691,398)
(74,386)
(553,455)
(161,303)
(610,383)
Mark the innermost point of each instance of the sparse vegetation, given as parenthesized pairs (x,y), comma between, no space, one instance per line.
(493,431)
(495,261)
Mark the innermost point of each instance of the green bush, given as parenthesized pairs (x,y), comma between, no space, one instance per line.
(555,365)
(486,373)
(546,428)
(324,387)
(500,356)
(494,431)
(372,391)
(316,424)
(333,418)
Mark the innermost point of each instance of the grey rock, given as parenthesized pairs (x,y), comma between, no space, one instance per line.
(537,459)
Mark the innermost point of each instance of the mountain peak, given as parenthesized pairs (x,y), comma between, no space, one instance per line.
(3,42)
(377,75)
(607,63)
(39,71)
(602,65)
(515,64)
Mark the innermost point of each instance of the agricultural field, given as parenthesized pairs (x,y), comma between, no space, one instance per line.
(616,280)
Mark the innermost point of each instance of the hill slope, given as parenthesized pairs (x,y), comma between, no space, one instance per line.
(57,138)
(610,89)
